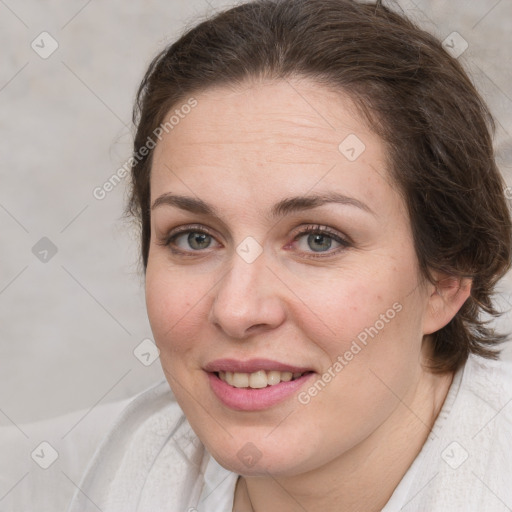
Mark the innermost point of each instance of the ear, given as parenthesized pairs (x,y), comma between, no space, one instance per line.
(447,296)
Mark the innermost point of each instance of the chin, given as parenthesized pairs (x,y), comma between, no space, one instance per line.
(266,465)
(262,457)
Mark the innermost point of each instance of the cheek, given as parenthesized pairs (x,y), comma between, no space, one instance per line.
(174,303)
(374,344)
(360,307)
(372,360)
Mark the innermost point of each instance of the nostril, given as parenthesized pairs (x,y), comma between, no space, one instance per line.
(255,327)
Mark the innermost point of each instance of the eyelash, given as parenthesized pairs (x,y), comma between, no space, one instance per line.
(313,229)
(323,230)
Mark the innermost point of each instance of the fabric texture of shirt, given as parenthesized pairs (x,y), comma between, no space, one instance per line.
(151,460)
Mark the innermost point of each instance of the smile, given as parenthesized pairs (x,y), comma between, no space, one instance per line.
(254,385)
(259,379)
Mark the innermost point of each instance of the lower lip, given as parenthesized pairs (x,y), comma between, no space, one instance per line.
(249,399)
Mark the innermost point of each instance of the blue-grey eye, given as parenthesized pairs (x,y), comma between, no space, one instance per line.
(319,240)
(319,243)
(187,240)
(198,241)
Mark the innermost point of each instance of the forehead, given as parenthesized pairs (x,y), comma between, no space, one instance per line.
(267,137)
(297,111)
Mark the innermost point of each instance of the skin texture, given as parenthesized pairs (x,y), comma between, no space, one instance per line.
(243,150)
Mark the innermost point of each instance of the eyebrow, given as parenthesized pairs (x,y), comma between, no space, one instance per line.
(280,209)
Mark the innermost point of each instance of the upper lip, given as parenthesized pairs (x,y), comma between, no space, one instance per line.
(252,365)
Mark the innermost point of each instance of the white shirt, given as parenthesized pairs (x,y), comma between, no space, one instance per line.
(152,461)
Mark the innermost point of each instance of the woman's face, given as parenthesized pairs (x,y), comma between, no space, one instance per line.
(236,283)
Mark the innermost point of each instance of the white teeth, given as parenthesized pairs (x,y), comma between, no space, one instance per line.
(240,380)
(273,377)
(286,376)
(257,380)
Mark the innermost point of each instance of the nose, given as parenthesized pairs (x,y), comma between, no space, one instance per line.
(247,299)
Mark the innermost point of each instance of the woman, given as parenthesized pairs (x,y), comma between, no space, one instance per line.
(322,228)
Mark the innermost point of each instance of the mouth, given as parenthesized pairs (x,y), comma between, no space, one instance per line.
(254,385)
(258,379)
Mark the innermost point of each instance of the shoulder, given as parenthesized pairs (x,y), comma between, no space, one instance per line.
(44,461)
(149,460)
(466,462)
(489,380)
(483,408)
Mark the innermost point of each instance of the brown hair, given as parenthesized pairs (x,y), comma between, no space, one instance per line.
(414,95)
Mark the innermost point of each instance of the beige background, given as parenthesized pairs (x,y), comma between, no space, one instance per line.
(68,326)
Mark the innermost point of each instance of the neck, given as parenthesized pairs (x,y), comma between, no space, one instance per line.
(364,477)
